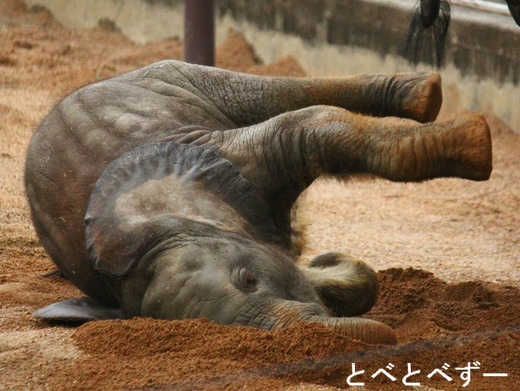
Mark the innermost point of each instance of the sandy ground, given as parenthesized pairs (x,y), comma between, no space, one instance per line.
(460,303)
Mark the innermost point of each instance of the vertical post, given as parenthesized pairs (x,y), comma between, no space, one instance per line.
(199,32)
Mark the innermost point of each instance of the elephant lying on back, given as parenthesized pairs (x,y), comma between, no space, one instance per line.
(167,191)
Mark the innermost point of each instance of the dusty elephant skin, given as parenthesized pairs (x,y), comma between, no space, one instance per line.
(166,192)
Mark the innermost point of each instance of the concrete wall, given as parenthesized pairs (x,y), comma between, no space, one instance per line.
(337,37)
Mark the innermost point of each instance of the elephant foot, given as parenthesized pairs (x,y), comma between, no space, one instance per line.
(420,95)
(346,286)
(468,148)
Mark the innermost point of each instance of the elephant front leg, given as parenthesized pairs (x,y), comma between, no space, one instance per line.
(402,150)
(283,156)
(345,285)
(247,99)
(416,96)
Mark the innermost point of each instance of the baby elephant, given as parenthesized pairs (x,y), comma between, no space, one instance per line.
(167,192)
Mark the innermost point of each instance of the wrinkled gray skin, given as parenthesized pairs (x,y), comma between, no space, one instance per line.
(192,216)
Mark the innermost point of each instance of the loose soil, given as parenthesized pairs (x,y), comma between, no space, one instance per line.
(447,254)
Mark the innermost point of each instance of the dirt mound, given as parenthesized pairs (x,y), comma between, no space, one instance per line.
(237,54)
(413,297)
(437,323)
(286,66)
(464,232)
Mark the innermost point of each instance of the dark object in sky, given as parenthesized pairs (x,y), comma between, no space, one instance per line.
(514,8)
(429,12)
(426,36)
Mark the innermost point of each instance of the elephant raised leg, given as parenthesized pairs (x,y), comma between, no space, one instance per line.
(242,100)
(284,155)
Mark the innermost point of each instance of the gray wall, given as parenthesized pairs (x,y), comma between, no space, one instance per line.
(338,37)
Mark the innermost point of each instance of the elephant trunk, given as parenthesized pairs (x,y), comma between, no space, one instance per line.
(365,330)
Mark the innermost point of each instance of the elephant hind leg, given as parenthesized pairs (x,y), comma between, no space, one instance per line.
(245,100)
(281,157)
(345,285)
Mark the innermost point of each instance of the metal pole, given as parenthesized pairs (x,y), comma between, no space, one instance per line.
(199,32)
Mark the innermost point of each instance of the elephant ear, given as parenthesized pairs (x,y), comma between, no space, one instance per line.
(166,190)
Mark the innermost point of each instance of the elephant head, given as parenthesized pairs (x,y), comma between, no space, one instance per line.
(181,234)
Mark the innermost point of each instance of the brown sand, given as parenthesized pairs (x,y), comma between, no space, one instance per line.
(465,233)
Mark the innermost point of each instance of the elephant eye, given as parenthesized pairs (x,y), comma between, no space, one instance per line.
(244,279)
